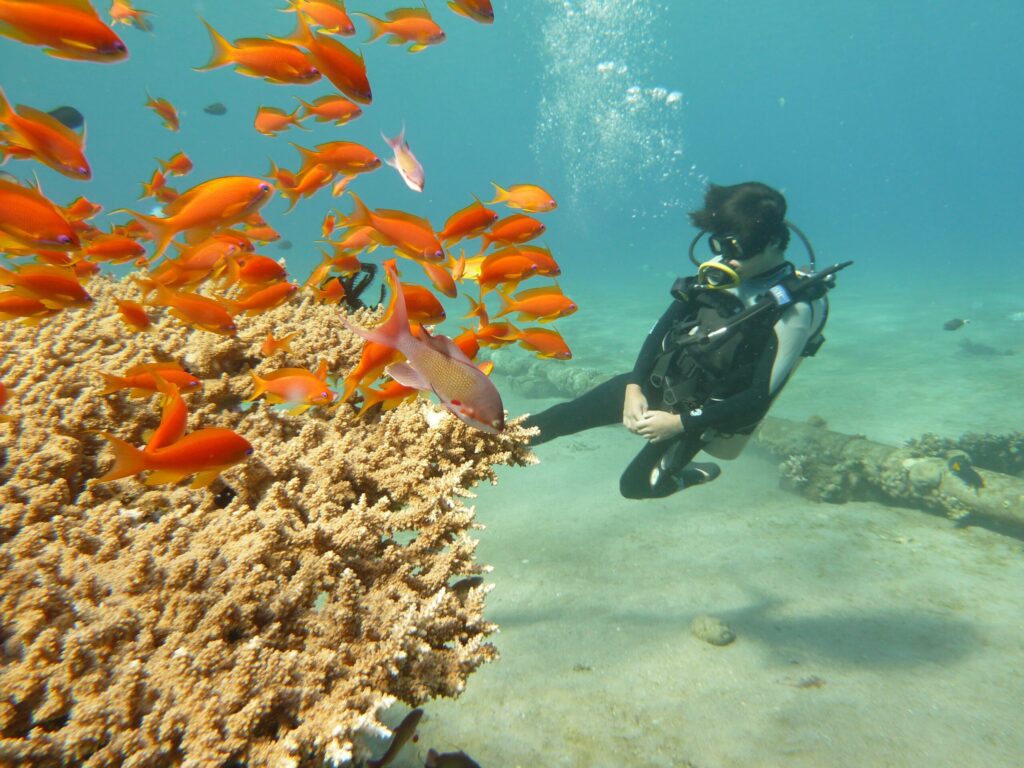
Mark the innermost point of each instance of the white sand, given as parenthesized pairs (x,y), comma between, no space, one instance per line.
(912,624)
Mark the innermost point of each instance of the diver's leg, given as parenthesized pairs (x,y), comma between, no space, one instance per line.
(599,407)
(661,469)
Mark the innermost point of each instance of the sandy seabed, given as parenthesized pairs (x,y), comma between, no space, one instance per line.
(866,635)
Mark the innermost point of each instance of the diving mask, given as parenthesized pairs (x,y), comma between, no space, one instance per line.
(726,246)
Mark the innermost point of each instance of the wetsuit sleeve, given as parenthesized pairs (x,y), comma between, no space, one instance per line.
(652,344)
(780,358)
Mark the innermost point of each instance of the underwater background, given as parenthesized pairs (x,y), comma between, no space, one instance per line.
(893,130)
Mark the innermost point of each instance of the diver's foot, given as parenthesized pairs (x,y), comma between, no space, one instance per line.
(696,473)
(667,479)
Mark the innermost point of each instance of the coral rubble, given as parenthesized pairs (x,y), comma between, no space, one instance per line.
(266,619)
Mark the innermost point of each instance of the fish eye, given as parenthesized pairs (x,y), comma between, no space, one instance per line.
(248,452)
(120,47)
(264,187)
(64,239)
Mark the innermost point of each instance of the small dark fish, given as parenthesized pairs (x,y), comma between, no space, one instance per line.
(954,324)
(961,467)
(402,734)
(224,496)
(458,759)
(462,586)
(215,109)
(69,116)
(284,245)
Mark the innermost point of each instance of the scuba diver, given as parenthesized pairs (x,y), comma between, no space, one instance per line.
(711,366)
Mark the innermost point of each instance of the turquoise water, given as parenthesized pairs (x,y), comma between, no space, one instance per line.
(893,130)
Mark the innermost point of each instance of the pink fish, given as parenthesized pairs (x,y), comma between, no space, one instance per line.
(405,162)
(436,364)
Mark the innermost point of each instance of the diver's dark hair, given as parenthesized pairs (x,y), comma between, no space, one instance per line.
(752,212)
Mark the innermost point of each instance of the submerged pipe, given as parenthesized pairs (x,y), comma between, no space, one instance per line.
(830,466)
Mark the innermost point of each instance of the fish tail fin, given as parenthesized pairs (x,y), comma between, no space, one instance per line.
(502,194)
(5,107)
(222,49)
(261,387)
(377,28)
(360,216)
(128,460)
(112,384)
(505,295)
(395,327)
(157,227)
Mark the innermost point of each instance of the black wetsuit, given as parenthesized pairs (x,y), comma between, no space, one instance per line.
(735,407)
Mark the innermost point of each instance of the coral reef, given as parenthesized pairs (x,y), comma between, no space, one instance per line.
(266,619)
(532,377)
(830,466)
(998,453)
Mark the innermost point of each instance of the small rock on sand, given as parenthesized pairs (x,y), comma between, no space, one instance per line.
(712,630)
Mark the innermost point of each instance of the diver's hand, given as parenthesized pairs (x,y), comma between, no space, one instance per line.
(633,408)
(656,426)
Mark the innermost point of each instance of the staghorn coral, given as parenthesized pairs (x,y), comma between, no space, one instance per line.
(159,624)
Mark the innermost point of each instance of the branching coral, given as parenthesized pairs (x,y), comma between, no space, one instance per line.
(155,623)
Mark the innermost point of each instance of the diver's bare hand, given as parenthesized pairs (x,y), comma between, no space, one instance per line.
(633,408)
(656,426)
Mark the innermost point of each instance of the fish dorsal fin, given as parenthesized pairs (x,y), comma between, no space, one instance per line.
(408,13)
(446,347)
(404,216)
(38,116)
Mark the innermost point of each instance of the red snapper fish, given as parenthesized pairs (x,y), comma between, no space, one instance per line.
(436,364)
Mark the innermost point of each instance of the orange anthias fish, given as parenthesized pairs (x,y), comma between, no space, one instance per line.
(168,114)
(346,157)
(504,267)
(27,309)
(200,312)
(526,197)
(276,61)
(134,314)
(332,108)
(206,207)
(173,419)
(374,359)
(406,25)
(271,120)
(405,162)
(122,12)
(204,453)
(298,387)
(57,287)
(68,29)
(513,230)
(329,14)
(422,306)
(436,364)
(262,299)
(179,165)
(46,138)
(546,342)
(542,304)
(32,220)
(343,67)
(141,379)
(477,10)
(272,346)
(469,222)
(409,235)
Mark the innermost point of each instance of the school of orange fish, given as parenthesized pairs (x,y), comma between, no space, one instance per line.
(215,277)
